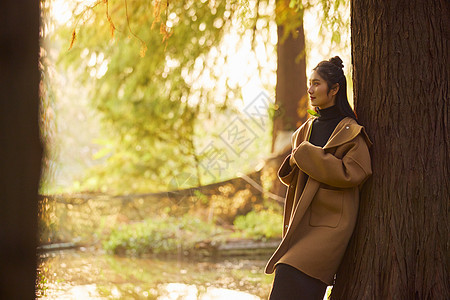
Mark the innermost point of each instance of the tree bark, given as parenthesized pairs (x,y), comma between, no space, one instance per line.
(399,250)
(20,150)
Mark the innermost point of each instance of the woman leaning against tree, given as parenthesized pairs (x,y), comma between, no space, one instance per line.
(324,173)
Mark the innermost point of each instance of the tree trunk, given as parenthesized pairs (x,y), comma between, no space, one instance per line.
(20,147)
(290,92)
(400,248)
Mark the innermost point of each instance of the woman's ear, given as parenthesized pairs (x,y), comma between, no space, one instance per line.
(335,89)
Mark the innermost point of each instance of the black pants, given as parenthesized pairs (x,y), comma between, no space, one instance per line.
(291,284)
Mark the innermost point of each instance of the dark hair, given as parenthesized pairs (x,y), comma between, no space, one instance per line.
(331,71)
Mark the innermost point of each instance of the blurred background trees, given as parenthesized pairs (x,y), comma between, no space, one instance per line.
(161,77)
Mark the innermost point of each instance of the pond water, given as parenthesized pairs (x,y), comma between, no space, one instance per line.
(91,274)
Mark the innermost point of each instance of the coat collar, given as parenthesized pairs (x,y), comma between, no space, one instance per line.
(346,130)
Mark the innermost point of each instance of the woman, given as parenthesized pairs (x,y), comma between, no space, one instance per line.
(328,164)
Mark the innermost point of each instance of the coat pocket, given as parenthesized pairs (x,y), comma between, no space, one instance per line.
(326,208)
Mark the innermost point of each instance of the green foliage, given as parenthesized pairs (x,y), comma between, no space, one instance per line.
(169,235)
(264,224)
(289,14)
(202,197)
(148,104)
(333,18)
(312,112)
(41,281)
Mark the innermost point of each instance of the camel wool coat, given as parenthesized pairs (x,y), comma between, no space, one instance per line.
(322,199)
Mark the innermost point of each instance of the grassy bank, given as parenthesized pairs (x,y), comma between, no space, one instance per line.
(187,235)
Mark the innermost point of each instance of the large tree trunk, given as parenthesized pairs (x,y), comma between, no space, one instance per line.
(20,148)
(401,62)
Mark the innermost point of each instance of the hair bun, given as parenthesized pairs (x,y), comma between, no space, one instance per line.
(337,61)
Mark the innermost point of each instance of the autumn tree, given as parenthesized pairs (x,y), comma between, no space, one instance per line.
(401,58)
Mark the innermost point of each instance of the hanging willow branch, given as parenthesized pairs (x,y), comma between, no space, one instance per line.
(108,17)
(159,7)
(143,44)
(79,17)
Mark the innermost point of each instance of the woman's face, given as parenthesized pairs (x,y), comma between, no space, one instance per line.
(318,92)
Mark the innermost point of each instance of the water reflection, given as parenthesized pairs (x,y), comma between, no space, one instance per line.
(191,292)
(91,274)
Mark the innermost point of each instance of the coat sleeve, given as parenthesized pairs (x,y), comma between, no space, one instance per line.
(286,172)
(352,170)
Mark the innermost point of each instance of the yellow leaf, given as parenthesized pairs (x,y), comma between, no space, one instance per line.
(143,49)
(74,36)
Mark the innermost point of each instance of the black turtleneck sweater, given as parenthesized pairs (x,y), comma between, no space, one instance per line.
(323,127)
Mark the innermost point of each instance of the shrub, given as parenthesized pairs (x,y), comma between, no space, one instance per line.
(168,235)
(264,224)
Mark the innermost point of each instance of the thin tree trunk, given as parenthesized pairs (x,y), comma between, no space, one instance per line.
(401,62)
(20,147)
